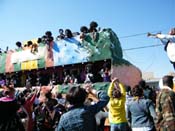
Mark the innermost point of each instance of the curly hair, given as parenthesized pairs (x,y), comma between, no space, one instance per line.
(116,93)
(29,43)
(18,43)
(137,91)
(48,33)
(61,31)
(84,29)
(93,25)
(68,33)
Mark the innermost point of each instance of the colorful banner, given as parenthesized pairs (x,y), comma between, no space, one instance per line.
(29,65)
(69,51)
(27,55)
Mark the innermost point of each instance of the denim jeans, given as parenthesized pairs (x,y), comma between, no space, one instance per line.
(120,127)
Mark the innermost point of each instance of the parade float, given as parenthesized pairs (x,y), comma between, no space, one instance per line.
(72,53)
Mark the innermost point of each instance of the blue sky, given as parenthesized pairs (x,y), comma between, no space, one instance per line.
(23,20)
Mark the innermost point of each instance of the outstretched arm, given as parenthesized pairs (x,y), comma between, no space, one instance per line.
(162,36)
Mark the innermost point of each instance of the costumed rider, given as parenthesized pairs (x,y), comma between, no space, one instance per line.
(169,41)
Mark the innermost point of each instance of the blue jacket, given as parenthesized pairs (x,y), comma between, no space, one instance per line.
(141,113)
(82,118)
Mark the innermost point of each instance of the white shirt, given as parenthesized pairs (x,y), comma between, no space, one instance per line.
(170,46)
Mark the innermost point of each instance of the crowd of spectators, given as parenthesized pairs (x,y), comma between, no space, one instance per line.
(84,108)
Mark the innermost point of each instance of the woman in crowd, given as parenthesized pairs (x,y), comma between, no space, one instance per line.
(117,113)
(140,111)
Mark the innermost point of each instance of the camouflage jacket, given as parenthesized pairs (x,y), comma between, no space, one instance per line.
(165,110)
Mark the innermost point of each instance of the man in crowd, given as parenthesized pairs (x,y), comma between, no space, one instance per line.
(81,117)
(165,106)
